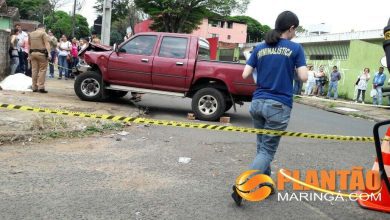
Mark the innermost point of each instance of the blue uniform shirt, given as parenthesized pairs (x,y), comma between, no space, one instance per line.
(275,70)
(379,79)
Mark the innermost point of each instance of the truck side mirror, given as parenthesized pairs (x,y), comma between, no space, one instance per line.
(115,48)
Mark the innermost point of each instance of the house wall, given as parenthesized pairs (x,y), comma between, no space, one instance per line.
(4,57)
(237,33)
(361,54)
(5,23)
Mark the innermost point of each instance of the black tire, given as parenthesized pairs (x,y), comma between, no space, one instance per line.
(115,94)
(88,86)
(208,104)
(229,105)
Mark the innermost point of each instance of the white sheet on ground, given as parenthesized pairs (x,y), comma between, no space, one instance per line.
(16,82)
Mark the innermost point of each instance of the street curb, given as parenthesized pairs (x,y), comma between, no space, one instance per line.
(323,107)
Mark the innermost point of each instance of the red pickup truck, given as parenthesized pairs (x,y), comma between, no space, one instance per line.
(167,64)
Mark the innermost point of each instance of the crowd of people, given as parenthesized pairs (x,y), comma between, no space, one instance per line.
(63,52)
(318,79)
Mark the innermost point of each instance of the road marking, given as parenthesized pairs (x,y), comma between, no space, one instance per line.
(343,102)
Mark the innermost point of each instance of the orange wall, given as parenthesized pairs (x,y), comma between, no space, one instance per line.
(237,33)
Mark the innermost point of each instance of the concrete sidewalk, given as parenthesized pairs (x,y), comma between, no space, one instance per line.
(347,107)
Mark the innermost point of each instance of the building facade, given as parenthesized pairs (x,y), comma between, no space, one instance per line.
(229,34)
(226,31)
(351,52)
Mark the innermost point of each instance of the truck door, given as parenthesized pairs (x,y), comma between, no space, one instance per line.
(132,64)
(170,64)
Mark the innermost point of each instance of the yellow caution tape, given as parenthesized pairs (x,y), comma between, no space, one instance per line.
(189,125)
(54,64)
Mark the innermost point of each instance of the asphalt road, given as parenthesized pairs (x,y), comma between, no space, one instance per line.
(139,177)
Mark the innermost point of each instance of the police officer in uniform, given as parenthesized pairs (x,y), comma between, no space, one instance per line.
(39,55)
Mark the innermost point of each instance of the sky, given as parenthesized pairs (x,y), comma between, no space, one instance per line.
(87,11)
(339,15)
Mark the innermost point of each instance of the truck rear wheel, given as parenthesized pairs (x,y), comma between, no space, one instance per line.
(89,87)
(208,104)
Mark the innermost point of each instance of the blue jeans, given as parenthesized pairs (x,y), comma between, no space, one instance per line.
(63,66)
(320,87)
(378,99)
(333,86)
(22,62)
(14,64)
(51,66)
(273,115)
(297,87)
(309,88)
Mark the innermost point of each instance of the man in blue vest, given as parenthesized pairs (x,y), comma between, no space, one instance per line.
(378,82)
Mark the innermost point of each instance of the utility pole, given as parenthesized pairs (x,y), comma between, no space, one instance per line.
(74,18)
(106,23)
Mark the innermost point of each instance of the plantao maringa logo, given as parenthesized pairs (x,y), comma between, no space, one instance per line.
(324,185)
(254,186)
(330,185)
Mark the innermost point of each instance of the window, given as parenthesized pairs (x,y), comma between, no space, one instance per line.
(230,25)
(229,37)
(204,50)
(321,57)
(214,35)
(173,47)
(141,45)
(213,23)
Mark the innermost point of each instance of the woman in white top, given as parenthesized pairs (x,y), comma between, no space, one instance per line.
(311,80)
(64,47)
(362,84)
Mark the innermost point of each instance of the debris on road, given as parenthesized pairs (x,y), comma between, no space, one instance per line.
(135,115)
(16,172)
(184,160)
(190,116)
(224,119)
(123,133)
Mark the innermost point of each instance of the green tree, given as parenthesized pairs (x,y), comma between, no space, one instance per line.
(124,14)
(61,23)
(120,9)
(300,29)
(31,9)
(185,16)
(81,29)
(255,30)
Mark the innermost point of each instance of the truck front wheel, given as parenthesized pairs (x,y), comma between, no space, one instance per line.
(89,87)
(208,104)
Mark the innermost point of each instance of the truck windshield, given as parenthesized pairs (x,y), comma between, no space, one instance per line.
(204,50)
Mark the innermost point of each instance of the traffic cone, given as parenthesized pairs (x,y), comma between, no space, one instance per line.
(383,204)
